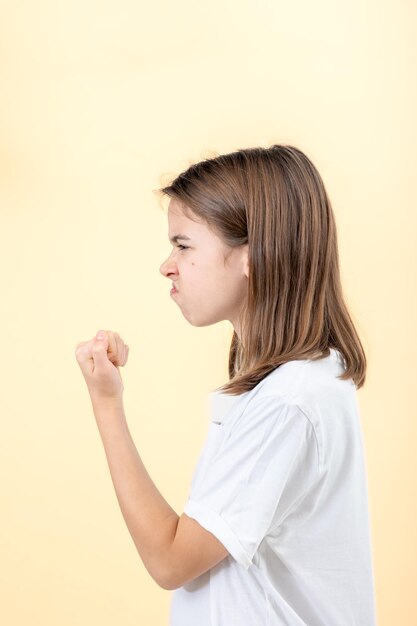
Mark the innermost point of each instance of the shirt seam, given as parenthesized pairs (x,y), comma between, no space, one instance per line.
(319,456)
(307,417)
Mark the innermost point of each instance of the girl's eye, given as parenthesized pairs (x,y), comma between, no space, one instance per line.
(182,247)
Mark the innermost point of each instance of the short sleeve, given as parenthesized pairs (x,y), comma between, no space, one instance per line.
(237,497)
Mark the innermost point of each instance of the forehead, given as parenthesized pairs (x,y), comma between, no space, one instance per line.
(181,223)
(176,213)
(194,228)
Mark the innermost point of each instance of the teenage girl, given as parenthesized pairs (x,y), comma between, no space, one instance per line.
(276,530)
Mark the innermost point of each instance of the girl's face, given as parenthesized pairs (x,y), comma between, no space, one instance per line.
(209,288)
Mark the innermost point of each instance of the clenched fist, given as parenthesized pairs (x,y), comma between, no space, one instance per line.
(99,360)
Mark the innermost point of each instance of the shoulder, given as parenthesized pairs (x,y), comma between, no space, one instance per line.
(278,409)
(307,383)
(268,415)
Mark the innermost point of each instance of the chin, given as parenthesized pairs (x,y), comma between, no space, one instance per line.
(200,322)
(197,323)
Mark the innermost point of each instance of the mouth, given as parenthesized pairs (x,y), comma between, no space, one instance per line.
(173,290)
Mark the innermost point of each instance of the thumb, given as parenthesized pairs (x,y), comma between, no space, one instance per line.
(99,349)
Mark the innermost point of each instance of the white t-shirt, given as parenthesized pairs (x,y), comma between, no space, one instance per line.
(282,483)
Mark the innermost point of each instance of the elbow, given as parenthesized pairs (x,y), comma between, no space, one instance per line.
(166,579)
(169,582)
(168,585)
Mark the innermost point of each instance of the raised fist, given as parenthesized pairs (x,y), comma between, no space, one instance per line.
(99,360)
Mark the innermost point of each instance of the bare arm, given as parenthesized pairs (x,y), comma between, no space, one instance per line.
(173,549)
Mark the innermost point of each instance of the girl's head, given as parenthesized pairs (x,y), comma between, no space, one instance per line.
(263,253)
(210,278)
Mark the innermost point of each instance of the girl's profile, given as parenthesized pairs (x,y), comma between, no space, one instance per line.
(276,529)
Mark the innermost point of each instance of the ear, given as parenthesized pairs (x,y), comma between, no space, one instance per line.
(246,260)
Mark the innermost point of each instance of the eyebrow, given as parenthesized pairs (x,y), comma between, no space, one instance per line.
(176,238)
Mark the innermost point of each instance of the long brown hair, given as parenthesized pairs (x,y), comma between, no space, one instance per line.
(274,200)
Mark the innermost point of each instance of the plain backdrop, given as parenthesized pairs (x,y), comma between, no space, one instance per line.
(100,104)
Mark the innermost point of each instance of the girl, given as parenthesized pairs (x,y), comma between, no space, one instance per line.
(276,530)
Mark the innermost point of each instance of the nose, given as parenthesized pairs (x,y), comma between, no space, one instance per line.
(168,267)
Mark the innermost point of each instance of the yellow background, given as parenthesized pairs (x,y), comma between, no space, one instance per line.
(102,102)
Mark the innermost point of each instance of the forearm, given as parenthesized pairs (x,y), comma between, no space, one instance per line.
(150,519)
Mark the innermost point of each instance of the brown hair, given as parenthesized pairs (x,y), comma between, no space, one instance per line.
(274,200)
